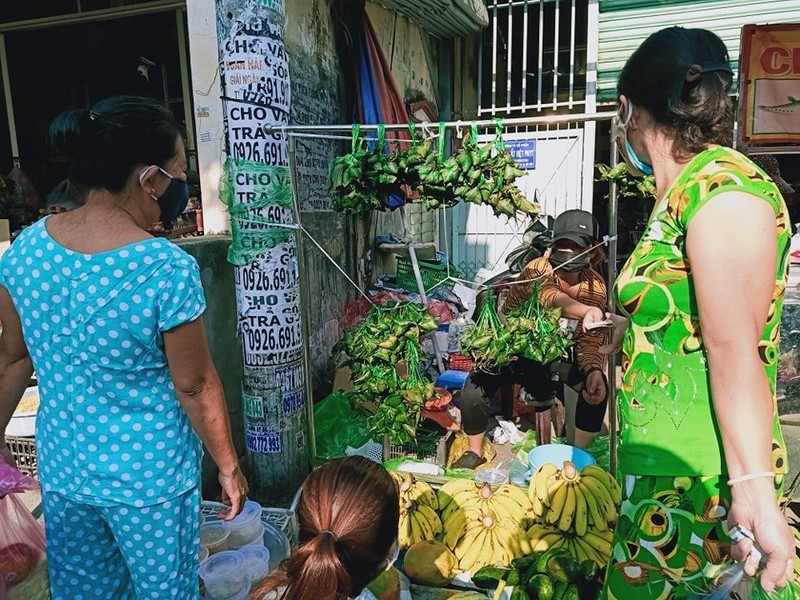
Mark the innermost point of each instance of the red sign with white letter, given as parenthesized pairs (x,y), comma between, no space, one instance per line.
(769,107)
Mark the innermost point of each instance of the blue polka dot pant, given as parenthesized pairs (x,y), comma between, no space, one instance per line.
(121,552)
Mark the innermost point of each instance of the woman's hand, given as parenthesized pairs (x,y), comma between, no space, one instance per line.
(754,506)
(595,391)
(234,492)
(591,316)
(619,326)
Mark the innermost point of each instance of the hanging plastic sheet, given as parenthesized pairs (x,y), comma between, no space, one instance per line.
(259,217)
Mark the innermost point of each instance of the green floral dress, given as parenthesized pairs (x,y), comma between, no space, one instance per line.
(670,541)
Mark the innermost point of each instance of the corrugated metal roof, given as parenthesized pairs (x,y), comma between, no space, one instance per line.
(443,18)
(621,31)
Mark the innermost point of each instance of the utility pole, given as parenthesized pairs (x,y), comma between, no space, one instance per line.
(256,186)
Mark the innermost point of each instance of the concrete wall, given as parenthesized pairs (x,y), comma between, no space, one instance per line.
(206,92)
(226,350)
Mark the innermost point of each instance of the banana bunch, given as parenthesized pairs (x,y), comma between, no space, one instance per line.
(419,520)
(489,540)
(575,501)
(482,525)
(412,490)
(418,523)
(594,545)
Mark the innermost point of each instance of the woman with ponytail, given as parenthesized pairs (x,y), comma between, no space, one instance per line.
(348,515)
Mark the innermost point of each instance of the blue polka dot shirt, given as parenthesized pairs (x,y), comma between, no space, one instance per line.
(110,429)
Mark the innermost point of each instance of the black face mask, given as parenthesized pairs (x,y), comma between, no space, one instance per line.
(174,199)
(560,257)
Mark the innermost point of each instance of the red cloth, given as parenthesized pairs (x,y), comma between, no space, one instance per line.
(392,106)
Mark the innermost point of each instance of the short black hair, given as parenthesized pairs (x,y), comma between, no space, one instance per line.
(683,78)
(105,143)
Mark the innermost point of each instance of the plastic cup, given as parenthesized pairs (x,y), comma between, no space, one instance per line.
(214,536)
(223,575)
(203,554)
(256,562)
(246,525)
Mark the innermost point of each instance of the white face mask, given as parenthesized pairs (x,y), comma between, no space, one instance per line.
(393,557)
(619,133)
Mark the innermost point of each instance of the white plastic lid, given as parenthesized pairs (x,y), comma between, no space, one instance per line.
(256,561)
(223,565)
(251,511)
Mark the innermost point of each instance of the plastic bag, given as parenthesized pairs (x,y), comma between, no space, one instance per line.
(22,544)
(337,425)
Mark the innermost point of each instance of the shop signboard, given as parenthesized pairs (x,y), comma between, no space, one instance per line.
(769,111)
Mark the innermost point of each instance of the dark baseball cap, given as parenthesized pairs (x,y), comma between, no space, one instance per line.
(576,225)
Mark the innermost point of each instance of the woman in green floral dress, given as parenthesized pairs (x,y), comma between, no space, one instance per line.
(700,445)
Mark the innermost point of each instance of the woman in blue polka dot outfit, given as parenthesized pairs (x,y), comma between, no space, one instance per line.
(111,320)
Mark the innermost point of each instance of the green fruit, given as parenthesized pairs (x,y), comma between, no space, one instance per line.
(589,570)
(559,588)
(571,593)
(487,578)
(525,562)
(541,587)
(519,593)
(562,568)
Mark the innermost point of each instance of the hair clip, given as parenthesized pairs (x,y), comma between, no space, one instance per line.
(694,73)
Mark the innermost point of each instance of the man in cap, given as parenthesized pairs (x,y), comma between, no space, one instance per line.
(565,279)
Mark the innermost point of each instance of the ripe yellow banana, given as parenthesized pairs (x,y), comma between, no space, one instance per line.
(568,511)
(454,528)
(541,480)
(448,491)
(607,480)
(557,505)
(590,552)
(422,493)
(479,550)
(596,516)
(581,511)
(404,536)
(505,508)
(552,490)
(469,540)
(432,516)
(603,496)
(600,544)
(537,507)
(546,541)
(514,494)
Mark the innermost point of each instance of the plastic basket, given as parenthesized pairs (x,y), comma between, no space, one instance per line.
(23,450)
(460,362)
(436,455)
(434,275)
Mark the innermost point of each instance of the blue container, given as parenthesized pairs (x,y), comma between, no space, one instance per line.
(452,380)
(558,454)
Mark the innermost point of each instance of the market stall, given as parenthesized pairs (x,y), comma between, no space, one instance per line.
(408,347)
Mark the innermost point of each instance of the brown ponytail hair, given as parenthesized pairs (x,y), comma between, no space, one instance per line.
(348,515)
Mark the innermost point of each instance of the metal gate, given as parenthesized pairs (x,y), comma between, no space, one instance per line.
(536,57)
